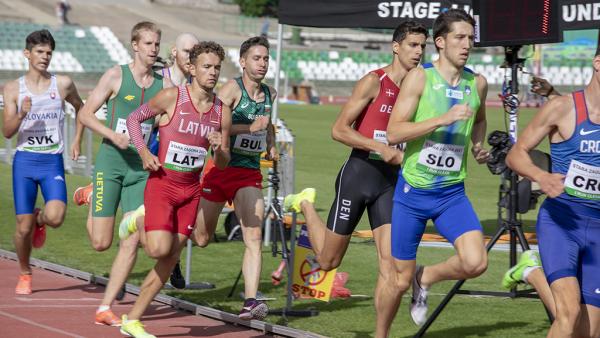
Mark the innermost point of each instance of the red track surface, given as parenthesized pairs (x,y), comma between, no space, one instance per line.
(61,306)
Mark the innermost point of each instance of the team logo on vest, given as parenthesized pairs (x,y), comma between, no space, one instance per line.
(467,90)
(129,97)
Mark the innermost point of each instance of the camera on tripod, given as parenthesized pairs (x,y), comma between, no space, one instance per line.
(501,144)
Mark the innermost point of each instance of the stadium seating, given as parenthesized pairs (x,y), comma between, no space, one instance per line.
(78,49)
(298,65)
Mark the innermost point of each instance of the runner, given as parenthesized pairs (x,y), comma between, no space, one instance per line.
(118,173)
(441,108)
(34,110)
(191,117)
(367,178)
(241,182)
(569,219)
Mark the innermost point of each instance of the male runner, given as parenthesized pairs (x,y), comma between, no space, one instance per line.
(34,110)
(367,178)
(440,108)
(569,219)
(179,74)
(241,182)
(118,172)
(190,118)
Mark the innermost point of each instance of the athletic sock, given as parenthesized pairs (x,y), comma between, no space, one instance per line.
(103,308)
(527,271)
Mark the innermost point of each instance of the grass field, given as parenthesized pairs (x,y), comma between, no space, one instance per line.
(318,159)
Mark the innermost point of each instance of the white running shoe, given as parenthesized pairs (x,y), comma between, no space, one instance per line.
(418,303)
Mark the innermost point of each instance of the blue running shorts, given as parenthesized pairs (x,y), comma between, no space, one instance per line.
(33,169)
(448,207)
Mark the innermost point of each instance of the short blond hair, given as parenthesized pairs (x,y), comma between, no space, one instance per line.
(143,26)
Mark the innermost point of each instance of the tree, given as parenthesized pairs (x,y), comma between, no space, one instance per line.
(258,7)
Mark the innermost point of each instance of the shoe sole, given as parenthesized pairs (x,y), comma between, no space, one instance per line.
(106,324)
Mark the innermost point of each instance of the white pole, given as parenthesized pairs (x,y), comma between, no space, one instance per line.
(267,234)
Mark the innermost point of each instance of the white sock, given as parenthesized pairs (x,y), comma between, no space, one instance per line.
(527,271)
(103,308)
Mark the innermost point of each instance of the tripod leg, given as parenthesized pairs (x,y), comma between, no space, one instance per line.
(522,239)
(234,286)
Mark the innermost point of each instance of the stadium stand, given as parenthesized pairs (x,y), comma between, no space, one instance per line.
(78,49)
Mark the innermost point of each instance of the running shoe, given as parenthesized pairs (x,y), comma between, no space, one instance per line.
(514,275)
(177,279)
(292,201)
(39,231)
(24,285)
(128,224)
(83,195)
(134,328)
(418,303)
(253,309)
(107,317)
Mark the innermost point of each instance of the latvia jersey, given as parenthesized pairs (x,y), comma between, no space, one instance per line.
(41,131)
(579,158)
(184,141)
(373,120)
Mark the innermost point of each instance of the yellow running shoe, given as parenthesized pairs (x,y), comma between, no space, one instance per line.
(128,224)
(134,328)
(292,202)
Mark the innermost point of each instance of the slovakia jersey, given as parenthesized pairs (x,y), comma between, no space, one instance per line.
(578,158)
(41,131)
(184,141)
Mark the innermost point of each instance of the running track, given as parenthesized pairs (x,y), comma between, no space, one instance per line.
(63,306)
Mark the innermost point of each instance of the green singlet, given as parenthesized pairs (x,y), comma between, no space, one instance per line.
(439,159)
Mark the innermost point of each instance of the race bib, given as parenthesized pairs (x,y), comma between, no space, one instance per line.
(122,128)
(440,159)
(184,158)
(583,181)
(251,144)
(381,136)
(42,138)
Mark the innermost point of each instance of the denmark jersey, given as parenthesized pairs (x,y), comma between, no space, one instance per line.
(246,148)
(373,120)
(41,131)
(128,99)
(439,159)
(579,158)
(183,143)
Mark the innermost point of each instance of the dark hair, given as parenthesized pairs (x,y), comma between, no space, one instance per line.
(443,23)
(255,41)
(206,47)
(136,31)
(41,37)
(408,27)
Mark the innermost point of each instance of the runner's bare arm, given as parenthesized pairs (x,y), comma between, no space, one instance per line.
(12,117)
(72,96)
(400,129)
(221,153)
(364,92)
(107,86)
(480,125)
(545,122)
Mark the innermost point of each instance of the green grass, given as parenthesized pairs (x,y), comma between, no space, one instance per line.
(318,160)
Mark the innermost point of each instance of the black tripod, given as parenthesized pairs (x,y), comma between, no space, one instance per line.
(508,200)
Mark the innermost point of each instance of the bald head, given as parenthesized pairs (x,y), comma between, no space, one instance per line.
(185,40)
(181,51)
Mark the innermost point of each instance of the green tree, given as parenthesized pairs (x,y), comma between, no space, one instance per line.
(258,7)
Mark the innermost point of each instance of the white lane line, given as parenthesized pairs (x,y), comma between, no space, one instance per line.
(49,328)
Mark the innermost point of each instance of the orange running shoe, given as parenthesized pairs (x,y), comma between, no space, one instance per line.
(39,232)
(107,317)
(24,285)
(82,195)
